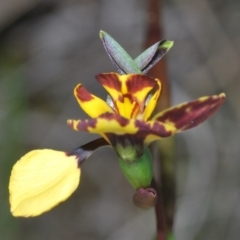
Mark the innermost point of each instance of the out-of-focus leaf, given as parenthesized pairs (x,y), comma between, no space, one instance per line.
(12,138)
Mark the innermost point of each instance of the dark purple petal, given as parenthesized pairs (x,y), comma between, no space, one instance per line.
(191,114)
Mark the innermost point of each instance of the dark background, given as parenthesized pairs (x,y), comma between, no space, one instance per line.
(47,47)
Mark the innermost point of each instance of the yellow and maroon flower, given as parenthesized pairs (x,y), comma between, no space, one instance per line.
(123,120)
(43,178)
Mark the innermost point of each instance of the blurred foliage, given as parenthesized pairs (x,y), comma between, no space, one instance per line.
(13,108)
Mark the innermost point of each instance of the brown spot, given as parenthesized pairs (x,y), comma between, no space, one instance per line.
(138,138)
(85,124)
(136,109)
(70,123)
(82,94)
(157,129)
(121,120)
(110,80)
(137,82)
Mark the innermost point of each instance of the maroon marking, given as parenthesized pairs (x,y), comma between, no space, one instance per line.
(137,82)
(126,95)
(120,99)
(193,113)
(84,151)
(125,139)
(110,80)
(70,124)
(110,116)
(84,125)
(135,110)
(83,95)
(132,100)
(157,129)
(138,138)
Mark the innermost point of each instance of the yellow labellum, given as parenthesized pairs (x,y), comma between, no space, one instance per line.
(40,180)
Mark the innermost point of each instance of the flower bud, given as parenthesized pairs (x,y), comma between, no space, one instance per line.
(145,198)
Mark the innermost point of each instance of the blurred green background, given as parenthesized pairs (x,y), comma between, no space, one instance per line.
(48,46)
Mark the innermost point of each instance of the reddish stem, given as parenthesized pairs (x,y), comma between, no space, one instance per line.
(159,211)
(166,191)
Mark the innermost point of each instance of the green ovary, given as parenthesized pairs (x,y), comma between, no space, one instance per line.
(139,173)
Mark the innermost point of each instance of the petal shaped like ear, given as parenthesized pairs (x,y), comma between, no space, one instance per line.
(152,55)
(119,57)
(91,104)
(40,180)
(190,114)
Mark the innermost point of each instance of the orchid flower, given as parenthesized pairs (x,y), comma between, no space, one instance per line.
(42,179)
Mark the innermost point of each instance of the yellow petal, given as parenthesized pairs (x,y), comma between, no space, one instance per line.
(150,106)
(111,82)
(91,104)
(40,180)
(155,130)
(117,89)
(107,123)
(128,92)
(139,87)
(113,124)
(127,108)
